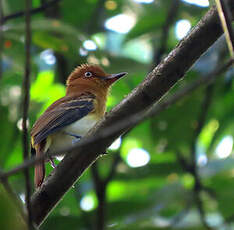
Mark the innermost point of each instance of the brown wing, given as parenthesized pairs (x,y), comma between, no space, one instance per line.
(61,113)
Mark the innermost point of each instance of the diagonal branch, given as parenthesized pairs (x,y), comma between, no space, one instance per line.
(32,11)
(156,84)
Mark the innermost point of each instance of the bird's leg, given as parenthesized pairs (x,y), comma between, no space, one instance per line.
(73,135)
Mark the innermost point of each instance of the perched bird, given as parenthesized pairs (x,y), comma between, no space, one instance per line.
(72,116)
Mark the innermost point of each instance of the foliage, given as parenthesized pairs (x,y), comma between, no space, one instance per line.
(160,194)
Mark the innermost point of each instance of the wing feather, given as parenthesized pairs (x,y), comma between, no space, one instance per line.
(61,113)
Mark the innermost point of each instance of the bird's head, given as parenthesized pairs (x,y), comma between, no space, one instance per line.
(92,76)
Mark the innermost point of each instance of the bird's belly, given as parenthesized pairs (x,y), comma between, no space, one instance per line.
(62,139)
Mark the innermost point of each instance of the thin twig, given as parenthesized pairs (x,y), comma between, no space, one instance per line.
(32,11)
(131,120)
(26,98)
(1,38)
(115,162)
(13,196)
(95,17)
(201,119)
(181,215)
(226,21)
(201,210)
(100,188)
(171,15)
(197,188)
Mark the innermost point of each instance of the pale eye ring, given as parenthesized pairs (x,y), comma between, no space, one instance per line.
(88,74)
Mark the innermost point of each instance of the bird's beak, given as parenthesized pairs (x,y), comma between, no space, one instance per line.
(114,77)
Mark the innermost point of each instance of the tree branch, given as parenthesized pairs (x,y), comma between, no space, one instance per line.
(26,98)
(32,11)
(157,83)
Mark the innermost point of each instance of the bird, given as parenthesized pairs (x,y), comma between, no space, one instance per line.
(69,118)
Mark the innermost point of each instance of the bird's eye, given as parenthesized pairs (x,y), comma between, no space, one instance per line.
(88,74)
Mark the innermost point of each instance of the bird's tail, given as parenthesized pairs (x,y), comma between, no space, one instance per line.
(39,171)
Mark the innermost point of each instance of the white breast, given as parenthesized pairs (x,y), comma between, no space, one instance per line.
(82,126)
(63,140)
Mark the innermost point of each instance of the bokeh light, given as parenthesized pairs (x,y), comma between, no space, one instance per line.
(89,45)
(121,23)
(116,144)
(83,52)
(202,159)
(144,1)
(137,157)
(224,148)
(87,203)
(48,57)
(201,3)
(182,28)
(110,5)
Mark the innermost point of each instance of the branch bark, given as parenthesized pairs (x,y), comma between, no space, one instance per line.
(156,84)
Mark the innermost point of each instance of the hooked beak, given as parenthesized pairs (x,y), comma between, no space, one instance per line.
(114,77)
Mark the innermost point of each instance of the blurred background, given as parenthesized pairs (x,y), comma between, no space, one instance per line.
(173,171)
